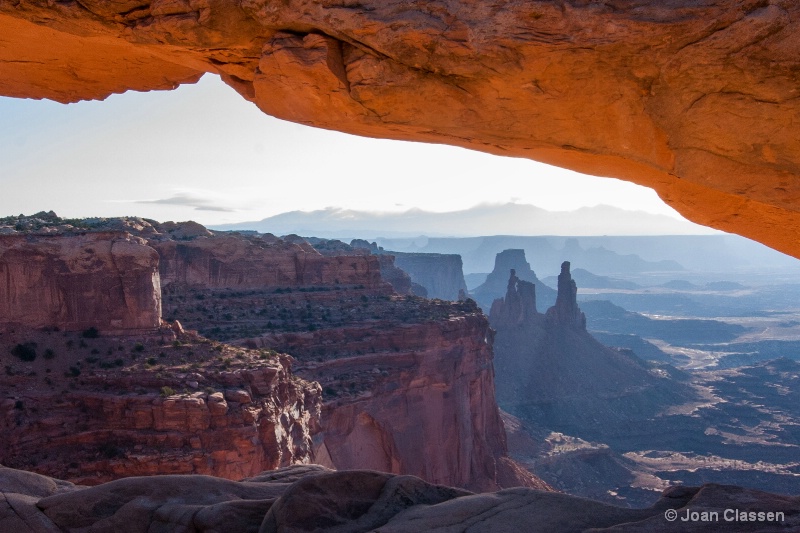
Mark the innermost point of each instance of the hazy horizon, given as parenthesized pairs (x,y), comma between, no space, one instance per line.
(201,152)
(480,220)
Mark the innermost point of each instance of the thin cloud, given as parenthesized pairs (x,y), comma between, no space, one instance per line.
(189,200)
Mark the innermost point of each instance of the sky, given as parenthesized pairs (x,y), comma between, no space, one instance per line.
(203,153)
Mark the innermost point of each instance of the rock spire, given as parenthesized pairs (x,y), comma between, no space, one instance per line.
(566,311)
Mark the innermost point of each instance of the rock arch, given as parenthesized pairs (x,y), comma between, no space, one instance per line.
(698,101)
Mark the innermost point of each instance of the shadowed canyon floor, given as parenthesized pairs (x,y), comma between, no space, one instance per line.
(604,423)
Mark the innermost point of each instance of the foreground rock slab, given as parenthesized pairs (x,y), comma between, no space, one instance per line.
(311,498)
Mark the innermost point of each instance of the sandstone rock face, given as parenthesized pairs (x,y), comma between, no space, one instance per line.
(405,380)
(398,278)
(419,400)
(441,275)
(129,417)
(310,498)
(109,281)
(238,262)
(698,101)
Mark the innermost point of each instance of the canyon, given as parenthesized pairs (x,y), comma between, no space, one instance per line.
(380,357)
(697,101)
(374,356)
(621,424)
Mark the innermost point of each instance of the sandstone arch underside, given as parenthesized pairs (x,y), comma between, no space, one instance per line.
(698,100)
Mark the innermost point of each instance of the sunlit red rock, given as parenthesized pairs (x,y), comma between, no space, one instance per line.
(107,281)
(698,101)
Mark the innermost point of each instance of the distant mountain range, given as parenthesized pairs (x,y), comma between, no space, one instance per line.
(505,219)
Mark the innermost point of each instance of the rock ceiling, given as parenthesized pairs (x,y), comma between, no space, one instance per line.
(698,100)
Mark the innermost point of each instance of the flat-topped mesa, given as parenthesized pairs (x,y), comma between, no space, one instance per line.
(441,275)
(566,311)
(260,262)
(519,303)
(511,260)
(106,280)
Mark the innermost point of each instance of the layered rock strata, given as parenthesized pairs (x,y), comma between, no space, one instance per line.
(695,100)
(309,498)
(405,380)
(410,398)
(109,281)
(243,262)
(377,354)
(108,408)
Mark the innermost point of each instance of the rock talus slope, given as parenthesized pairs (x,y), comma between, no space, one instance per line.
(697,100)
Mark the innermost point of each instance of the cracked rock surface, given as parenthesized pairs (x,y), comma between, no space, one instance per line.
(312,498)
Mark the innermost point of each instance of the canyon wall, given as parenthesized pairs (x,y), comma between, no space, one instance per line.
(408,383)
(115,408)
(441,275)
(109,281)
(409,398)
(406,380)
(244,262)
(696,100)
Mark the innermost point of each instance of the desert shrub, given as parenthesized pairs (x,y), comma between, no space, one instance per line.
(73,372)
(139,347)
(91,333)
(111,451)
(26,352)
(167,391)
